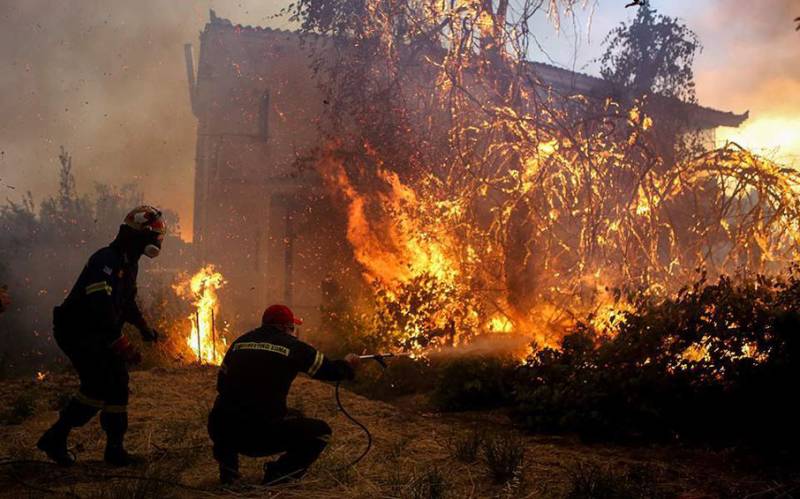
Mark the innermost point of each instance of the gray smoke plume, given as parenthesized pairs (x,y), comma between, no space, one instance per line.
(106,79)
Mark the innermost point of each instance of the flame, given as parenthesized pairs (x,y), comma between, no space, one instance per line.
(500,324)
(477,188)
(696,352)
(206,340)
(41,375)
(393,252)
(404,243)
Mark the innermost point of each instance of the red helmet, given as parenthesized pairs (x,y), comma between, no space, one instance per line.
(279,314)
(150,222)
(146,218)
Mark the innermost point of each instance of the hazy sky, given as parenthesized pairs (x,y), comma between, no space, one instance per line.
(106,79)
(750,60)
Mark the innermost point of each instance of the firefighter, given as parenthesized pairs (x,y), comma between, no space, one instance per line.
(88,328)
(250,416)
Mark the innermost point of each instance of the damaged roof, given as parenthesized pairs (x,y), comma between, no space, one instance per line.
(555,76)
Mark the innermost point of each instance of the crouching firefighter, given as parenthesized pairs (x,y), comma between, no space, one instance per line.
(88,328)
(250,416)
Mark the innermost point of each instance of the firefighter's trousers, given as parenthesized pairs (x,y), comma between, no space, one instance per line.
(301,440)
(103,387)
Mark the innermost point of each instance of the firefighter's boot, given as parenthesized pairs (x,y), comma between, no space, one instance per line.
(227,475)
(115,425)
(274,474)
(228,460)
(54,441)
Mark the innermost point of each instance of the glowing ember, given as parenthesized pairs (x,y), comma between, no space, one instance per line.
(206,339)
(40,376)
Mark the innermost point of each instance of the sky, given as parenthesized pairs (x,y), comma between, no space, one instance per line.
(106,79)
(750,61)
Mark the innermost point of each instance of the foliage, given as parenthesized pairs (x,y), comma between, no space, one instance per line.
(472,187)
(711,364)
(466,446)
(344,328)
(473,382)
(652,55)
(404,377)
(44,246)
(592,481)
(504,454)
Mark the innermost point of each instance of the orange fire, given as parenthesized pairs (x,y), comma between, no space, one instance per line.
(404,243)
(206,339)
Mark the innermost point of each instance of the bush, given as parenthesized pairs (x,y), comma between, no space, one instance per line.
(711,364)
(590,481)
(43,246)
(504,455)
(430,484)
(405,376)
(474,382)
(465,447)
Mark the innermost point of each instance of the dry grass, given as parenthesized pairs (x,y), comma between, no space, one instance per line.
(412,455)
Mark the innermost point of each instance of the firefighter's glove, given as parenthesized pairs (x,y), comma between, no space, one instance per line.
(125,349)
(353,360)
(149,334)
(349,365)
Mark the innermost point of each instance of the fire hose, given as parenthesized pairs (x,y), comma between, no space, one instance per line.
(380,358)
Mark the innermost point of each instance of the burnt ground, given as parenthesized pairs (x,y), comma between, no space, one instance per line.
(412,454)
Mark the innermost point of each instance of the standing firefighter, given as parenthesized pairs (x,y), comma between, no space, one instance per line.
(88,328)
(250,415)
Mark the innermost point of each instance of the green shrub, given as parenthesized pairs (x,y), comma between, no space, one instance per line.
(474,382)
(648,381)
(404,376)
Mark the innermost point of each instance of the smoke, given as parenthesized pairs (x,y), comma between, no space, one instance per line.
(751,62)
(106,79)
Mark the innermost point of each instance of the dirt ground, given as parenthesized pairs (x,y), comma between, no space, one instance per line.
(412,453)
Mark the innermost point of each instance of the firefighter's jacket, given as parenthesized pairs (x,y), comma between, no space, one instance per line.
(102,300)
(259,368)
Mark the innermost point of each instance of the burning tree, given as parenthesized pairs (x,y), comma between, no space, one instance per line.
(476,195)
